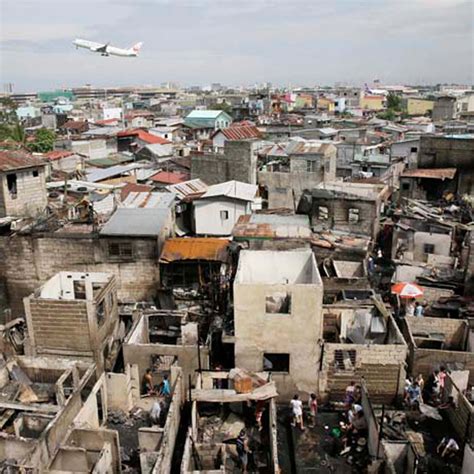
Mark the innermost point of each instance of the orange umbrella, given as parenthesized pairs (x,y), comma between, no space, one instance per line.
(407,290)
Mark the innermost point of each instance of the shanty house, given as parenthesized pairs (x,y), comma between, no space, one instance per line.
(191,262)
(427,184)
(278,317)
(204,122)
(22,184)
(218,209)
(346,207)
(361,341)
(232,133)
(436,342)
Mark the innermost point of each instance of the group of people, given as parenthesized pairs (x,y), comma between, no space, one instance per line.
(354,429)
(161,391)
(414,308)
(149,389)
(298,413)
(418,391)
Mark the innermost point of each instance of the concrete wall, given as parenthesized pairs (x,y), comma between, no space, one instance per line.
(338,209)
(296,334)
(30,198)
(140,354)
(208,219)
(424,361)
(441,242)
(238,162)
(380,365)
(28,261)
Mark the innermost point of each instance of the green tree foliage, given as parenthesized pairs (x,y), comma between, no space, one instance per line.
(227,108)
(43,142)
(394,102)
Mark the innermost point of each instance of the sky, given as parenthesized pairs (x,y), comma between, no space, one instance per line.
(237,42)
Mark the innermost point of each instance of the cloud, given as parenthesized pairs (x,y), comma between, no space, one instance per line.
(203,41)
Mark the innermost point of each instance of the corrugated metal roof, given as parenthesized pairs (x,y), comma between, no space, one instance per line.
(148,200)
(271,226)
(240,132)
(13,160)
(208,249)
(435,173)
(136,222)
(101,174)
(232,189)
(168,177)
(188,189)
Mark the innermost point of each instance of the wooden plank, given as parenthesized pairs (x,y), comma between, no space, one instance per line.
(34,408)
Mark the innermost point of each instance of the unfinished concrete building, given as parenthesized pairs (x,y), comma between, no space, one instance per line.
(436,342)
(74,315)
(278,317)
(361,341)
(223,403)
(160,338)
(51,417)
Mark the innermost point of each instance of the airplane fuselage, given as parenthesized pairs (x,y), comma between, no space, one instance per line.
(105,49)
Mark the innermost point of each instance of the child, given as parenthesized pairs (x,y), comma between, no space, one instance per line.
(313,409)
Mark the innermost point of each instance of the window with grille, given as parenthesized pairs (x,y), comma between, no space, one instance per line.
(344,360)
(120,250)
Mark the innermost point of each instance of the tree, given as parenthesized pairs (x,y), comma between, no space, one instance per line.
(389,114)
(394,102)
(43,142)
(227,108)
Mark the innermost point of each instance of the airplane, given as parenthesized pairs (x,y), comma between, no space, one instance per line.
(106,49)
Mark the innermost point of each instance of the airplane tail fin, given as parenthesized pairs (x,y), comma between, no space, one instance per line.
(136,47)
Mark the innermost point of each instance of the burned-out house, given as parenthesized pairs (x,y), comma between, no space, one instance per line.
(361,341)
(450,151)
(223,403)
(75,315)
(53,416)
(347,207)
(436,342)
(278,317)
(427,184)
(159,338)
(301,165)
(193,262)
(22,184)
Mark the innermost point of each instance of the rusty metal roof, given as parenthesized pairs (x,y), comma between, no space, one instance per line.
(13,160)
(190,248)
(271,226)
(240,132)
(432,173)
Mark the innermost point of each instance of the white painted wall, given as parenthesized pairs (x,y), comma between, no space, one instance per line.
(208,219)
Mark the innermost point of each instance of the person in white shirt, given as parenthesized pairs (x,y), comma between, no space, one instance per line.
(297,411)
(155,412)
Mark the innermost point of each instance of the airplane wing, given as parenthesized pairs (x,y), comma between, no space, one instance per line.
(100,48)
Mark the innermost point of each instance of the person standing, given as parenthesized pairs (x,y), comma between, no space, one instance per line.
(419,310)
(165,388)
(155,412)
(297,411)
(313,408)
(243,450)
